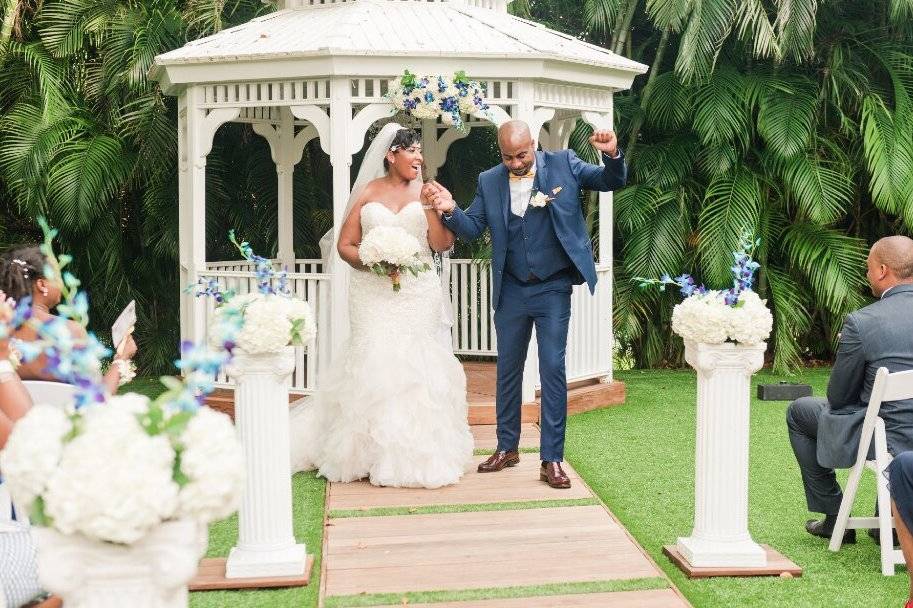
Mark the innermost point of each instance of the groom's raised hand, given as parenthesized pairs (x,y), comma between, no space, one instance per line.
(605,141)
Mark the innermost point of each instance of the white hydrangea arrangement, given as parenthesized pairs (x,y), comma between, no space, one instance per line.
(270,319)
(390,251)
(115,471)
(707,316)
(433,96)
(270,322)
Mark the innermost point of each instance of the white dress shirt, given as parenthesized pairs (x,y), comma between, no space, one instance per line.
(521,191)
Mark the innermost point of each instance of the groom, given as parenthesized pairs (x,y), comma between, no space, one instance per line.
(541,249)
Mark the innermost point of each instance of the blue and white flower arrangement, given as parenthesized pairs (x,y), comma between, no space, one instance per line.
(708,316)
(114,468)
(433,96)
(269,319)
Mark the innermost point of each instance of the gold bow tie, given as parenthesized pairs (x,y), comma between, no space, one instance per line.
(529,175)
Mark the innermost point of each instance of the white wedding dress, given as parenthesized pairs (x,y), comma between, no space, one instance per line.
(393,405)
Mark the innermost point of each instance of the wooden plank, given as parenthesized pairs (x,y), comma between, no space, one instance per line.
(211,577)
(461,551)
(595,396)
(654,598)
(777,565)
(514,484)
(484,413)
(486,436)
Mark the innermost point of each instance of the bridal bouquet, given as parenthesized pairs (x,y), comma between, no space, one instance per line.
(114,468)
(390,251)
(736,314)
(437,96)
(270,318)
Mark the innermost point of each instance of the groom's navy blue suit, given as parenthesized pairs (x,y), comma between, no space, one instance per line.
(536,260)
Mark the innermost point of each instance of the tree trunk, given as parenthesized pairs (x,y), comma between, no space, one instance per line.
(624,25)
(654,70)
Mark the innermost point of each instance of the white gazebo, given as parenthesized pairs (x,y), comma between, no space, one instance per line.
(321,69)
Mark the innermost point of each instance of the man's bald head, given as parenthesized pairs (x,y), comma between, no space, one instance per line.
(517,146)
(890,263)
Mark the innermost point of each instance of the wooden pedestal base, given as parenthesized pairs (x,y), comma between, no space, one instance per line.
(777,565)
(211,577)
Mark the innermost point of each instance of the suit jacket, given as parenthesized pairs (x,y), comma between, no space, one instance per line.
(562,169)
(879,335)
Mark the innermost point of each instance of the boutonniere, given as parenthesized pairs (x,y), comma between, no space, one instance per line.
(541,199)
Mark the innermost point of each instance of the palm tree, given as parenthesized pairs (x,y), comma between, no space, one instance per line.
(787,118)
(89,142)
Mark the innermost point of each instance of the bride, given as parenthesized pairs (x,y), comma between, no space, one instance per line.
(393,406)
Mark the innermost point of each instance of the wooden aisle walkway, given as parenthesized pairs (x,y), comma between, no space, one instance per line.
(503,540)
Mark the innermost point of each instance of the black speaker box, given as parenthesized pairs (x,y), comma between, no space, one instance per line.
(783,391)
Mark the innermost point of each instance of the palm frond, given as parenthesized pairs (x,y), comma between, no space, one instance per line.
(708,26)
(732,207)
(721,112)
(832,263)
(786,115)
(796,21)
(670,103)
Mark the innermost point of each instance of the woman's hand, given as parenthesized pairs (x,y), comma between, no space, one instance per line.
(127,349)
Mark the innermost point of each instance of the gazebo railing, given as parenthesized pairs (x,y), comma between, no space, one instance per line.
(589,349)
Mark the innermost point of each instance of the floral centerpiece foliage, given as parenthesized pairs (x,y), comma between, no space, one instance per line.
(270,319)
(434,96)
(115,468)
(736,314)
(391,251)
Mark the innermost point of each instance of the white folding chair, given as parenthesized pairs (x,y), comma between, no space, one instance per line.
(50,393)
(888,387)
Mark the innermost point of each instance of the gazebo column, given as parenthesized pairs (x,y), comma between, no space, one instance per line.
(434,150)
(604,120)
(341,159)
(286,149)
(197,128)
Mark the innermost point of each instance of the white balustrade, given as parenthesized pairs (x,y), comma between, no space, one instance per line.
(589,348)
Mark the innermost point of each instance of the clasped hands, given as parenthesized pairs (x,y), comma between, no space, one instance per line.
(438,197)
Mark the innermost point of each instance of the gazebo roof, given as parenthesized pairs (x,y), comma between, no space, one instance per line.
(406,31)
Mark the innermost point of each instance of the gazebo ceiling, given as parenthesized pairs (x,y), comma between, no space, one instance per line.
(382,37)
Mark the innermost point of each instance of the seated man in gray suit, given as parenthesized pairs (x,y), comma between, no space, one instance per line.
(825,433)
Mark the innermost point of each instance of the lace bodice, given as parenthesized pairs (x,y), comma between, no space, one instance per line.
(410,218)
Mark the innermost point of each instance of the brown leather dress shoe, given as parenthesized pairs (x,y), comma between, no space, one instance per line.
(498,461)
(552,474)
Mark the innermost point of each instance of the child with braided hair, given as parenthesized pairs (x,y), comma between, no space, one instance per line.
(22,276)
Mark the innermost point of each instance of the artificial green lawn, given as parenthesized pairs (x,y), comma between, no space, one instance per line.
(639,458)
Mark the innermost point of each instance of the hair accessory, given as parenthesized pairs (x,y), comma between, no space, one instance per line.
(24,268)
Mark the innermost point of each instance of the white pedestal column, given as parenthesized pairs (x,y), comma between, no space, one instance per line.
(151,573)
(720,537)
(266,544)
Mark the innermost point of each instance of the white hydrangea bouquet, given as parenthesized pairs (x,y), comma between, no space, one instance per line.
(390,251)
(271,319)
(113,469)
(736,314)
(434,96)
